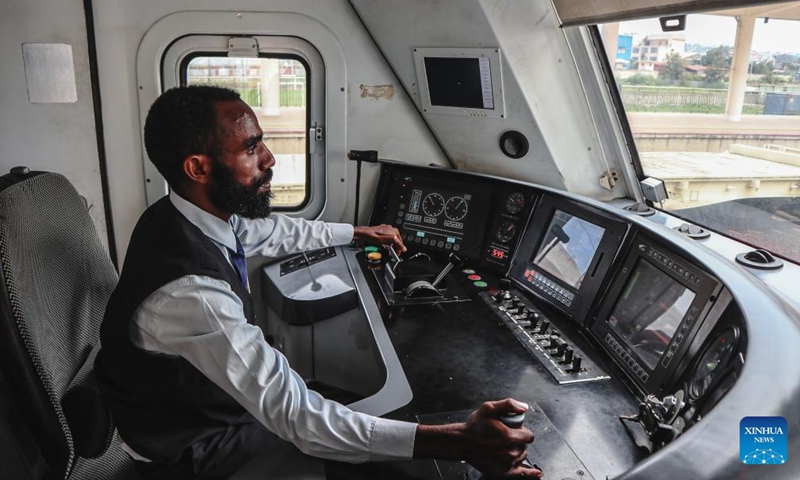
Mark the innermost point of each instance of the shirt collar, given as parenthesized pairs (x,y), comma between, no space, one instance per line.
(213,227)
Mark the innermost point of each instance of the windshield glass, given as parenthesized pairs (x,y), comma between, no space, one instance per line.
(715,112)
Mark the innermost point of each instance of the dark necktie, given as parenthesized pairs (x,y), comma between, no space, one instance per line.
(239,262)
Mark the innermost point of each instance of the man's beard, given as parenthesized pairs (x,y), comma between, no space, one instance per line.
(230,196)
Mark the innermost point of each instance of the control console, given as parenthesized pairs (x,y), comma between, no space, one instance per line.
(563,360)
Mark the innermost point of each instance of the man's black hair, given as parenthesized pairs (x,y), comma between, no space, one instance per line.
(183,122)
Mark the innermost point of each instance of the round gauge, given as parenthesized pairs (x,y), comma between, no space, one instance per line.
(515,202)
(456,208)
(506,232)
(713,362)
(433,204)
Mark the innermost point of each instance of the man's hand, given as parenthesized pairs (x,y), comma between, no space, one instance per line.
(382,235)
(483,441)
(497,450)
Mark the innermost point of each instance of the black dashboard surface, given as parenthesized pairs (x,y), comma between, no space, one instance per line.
(457,357)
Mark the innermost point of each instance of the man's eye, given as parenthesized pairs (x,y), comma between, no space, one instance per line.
(251,150)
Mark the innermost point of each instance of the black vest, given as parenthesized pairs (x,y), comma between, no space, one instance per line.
(162,404)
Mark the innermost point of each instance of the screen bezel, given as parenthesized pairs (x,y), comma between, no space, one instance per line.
(641,267)
(705,289)
(542,246)
(495,68)
(480,206)
(610,244)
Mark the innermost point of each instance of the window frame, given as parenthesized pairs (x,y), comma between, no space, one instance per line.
(618,109)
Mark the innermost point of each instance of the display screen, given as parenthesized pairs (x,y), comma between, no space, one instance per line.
(445,216)
(649,311)
(460,82)
(568,248)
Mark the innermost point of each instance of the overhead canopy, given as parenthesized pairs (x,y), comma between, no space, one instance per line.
(587,12)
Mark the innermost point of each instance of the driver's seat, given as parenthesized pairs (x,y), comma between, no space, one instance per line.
(55,280)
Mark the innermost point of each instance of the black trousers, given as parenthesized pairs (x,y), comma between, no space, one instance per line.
(217,457)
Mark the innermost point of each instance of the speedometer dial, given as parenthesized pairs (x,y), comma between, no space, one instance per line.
(505,232)
(515,202)
(713,362)
(456,208)
(433,205)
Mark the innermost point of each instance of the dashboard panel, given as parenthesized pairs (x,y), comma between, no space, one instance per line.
(478,218)
(643,304)
(583,279)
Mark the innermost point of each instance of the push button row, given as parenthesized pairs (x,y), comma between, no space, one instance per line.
(632,363)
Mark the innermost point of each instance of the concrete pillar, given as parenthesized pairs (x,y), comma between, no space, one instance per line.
(610,34)
(270,87)
(745,26)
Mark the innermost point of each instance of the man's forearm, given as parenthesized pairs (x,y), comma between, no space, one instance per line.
(440,441)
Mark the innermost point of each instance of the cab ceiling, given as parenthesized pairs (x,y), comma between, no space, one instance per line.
(544,96)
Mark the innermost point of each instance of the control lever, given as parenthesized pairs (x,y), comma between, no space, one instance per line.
(568,354)
(516,420)
(504,294)
(423,288)
(658,418)
(576,364)
(315,285)
(453,260)
(510,420)
(395,256)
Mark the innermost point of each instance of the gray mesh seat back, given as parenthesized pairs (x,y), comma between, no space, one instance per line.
(57,278)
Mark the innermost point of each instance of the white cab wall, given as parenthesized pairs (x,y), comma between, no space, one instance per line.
(391,126)
(544,97)
(56,137)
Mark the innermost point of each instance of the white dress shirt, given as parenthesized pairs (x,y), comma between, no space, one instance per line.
(202,320)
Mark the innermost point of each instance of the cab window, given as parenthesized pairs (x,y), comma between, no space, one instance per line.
(714,112)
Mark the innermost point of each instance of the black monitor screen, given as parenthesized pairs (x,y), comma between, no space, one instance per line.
(568,248)
(441,215)
(459,82)
(649,311)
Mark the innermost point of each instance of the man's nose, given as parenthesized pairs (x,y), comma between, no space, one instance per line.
(268,159)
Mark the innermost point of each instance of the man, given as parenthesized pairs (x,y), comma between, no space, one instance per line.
(193,386)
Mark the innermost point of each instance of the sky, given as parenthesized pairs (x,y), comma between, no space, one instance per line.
(777,36)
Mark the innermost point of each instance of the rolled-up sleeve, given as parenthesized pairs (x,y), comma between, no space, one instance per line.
(202,320)
(280,235)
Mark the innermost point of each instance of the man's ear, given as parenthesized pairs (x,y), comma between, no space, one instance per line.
(197,168)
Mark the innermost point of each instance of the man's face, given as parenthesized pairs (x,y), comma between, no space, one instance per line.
(242,169)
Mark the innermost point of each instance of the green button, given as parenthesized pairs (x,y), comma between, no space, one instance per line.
(480,283)
(370,249)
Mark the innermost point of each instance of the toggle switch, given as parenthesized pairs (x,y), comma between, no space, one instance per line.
(567,356)
(576,364)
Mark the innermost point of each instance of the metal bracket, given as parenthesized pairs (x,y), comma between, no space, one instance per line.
(315,134)
(243,47)
(609,179)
